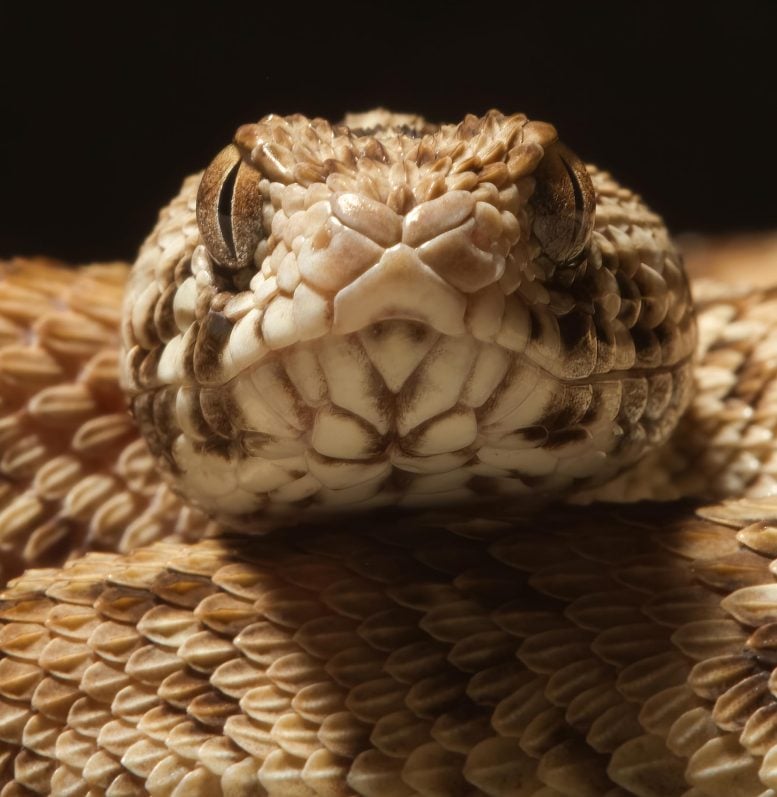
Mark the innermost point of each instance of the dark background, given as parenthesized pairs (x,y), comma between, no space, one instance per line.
(104,112)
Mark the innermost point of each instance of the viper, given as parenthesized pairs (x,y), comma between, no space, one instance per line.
(435,481)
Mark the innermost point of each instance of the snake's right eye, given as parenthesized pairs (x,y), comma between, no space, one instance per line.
(564,204)
(229,206)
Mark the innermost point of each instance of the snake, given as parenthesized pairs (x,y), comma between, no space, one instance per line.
(401,463)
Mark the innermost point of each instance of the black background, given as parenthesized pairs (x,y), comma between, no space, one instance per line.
(104,112)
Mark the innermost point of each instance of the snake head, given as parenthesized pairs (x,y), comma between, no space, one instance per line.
(388,311)
(229,207)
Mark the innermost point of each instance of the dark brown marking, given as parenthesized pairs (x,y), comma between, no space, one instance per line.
(562,437)
(164,316)
(212,337)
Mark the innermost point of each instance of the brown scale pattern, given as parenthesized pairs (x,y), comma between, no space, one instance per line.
(610,651)
(724,444)
(73,473)
(436,657)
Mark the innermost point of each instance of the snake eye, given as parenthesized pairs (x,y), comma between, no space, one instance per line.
(564,203)
(229,206)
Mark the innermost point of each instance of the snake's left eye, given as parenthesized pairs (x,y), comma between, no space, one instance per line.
(564,204)
(229,207)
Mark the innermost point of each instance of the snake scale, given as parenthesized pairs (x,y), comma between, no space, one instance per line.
(406,387)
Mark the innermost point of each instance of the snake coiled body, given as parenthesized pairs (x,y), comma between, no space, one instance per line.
(459,648)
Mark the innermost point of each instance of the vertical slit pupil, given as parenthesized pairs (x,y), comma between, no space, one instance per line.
(579,199)
(225,209)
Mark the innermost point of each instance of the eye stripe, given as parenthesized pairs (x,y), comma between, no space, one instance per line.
(579,201)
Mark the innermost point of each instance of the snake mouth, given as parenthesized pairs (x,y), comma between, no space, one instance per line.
(192,376)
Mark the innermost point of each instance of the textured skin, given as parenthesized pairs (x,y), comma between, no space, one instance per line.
(74,473)
(430,661)
(605,651)
(399,333)
(390,316)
